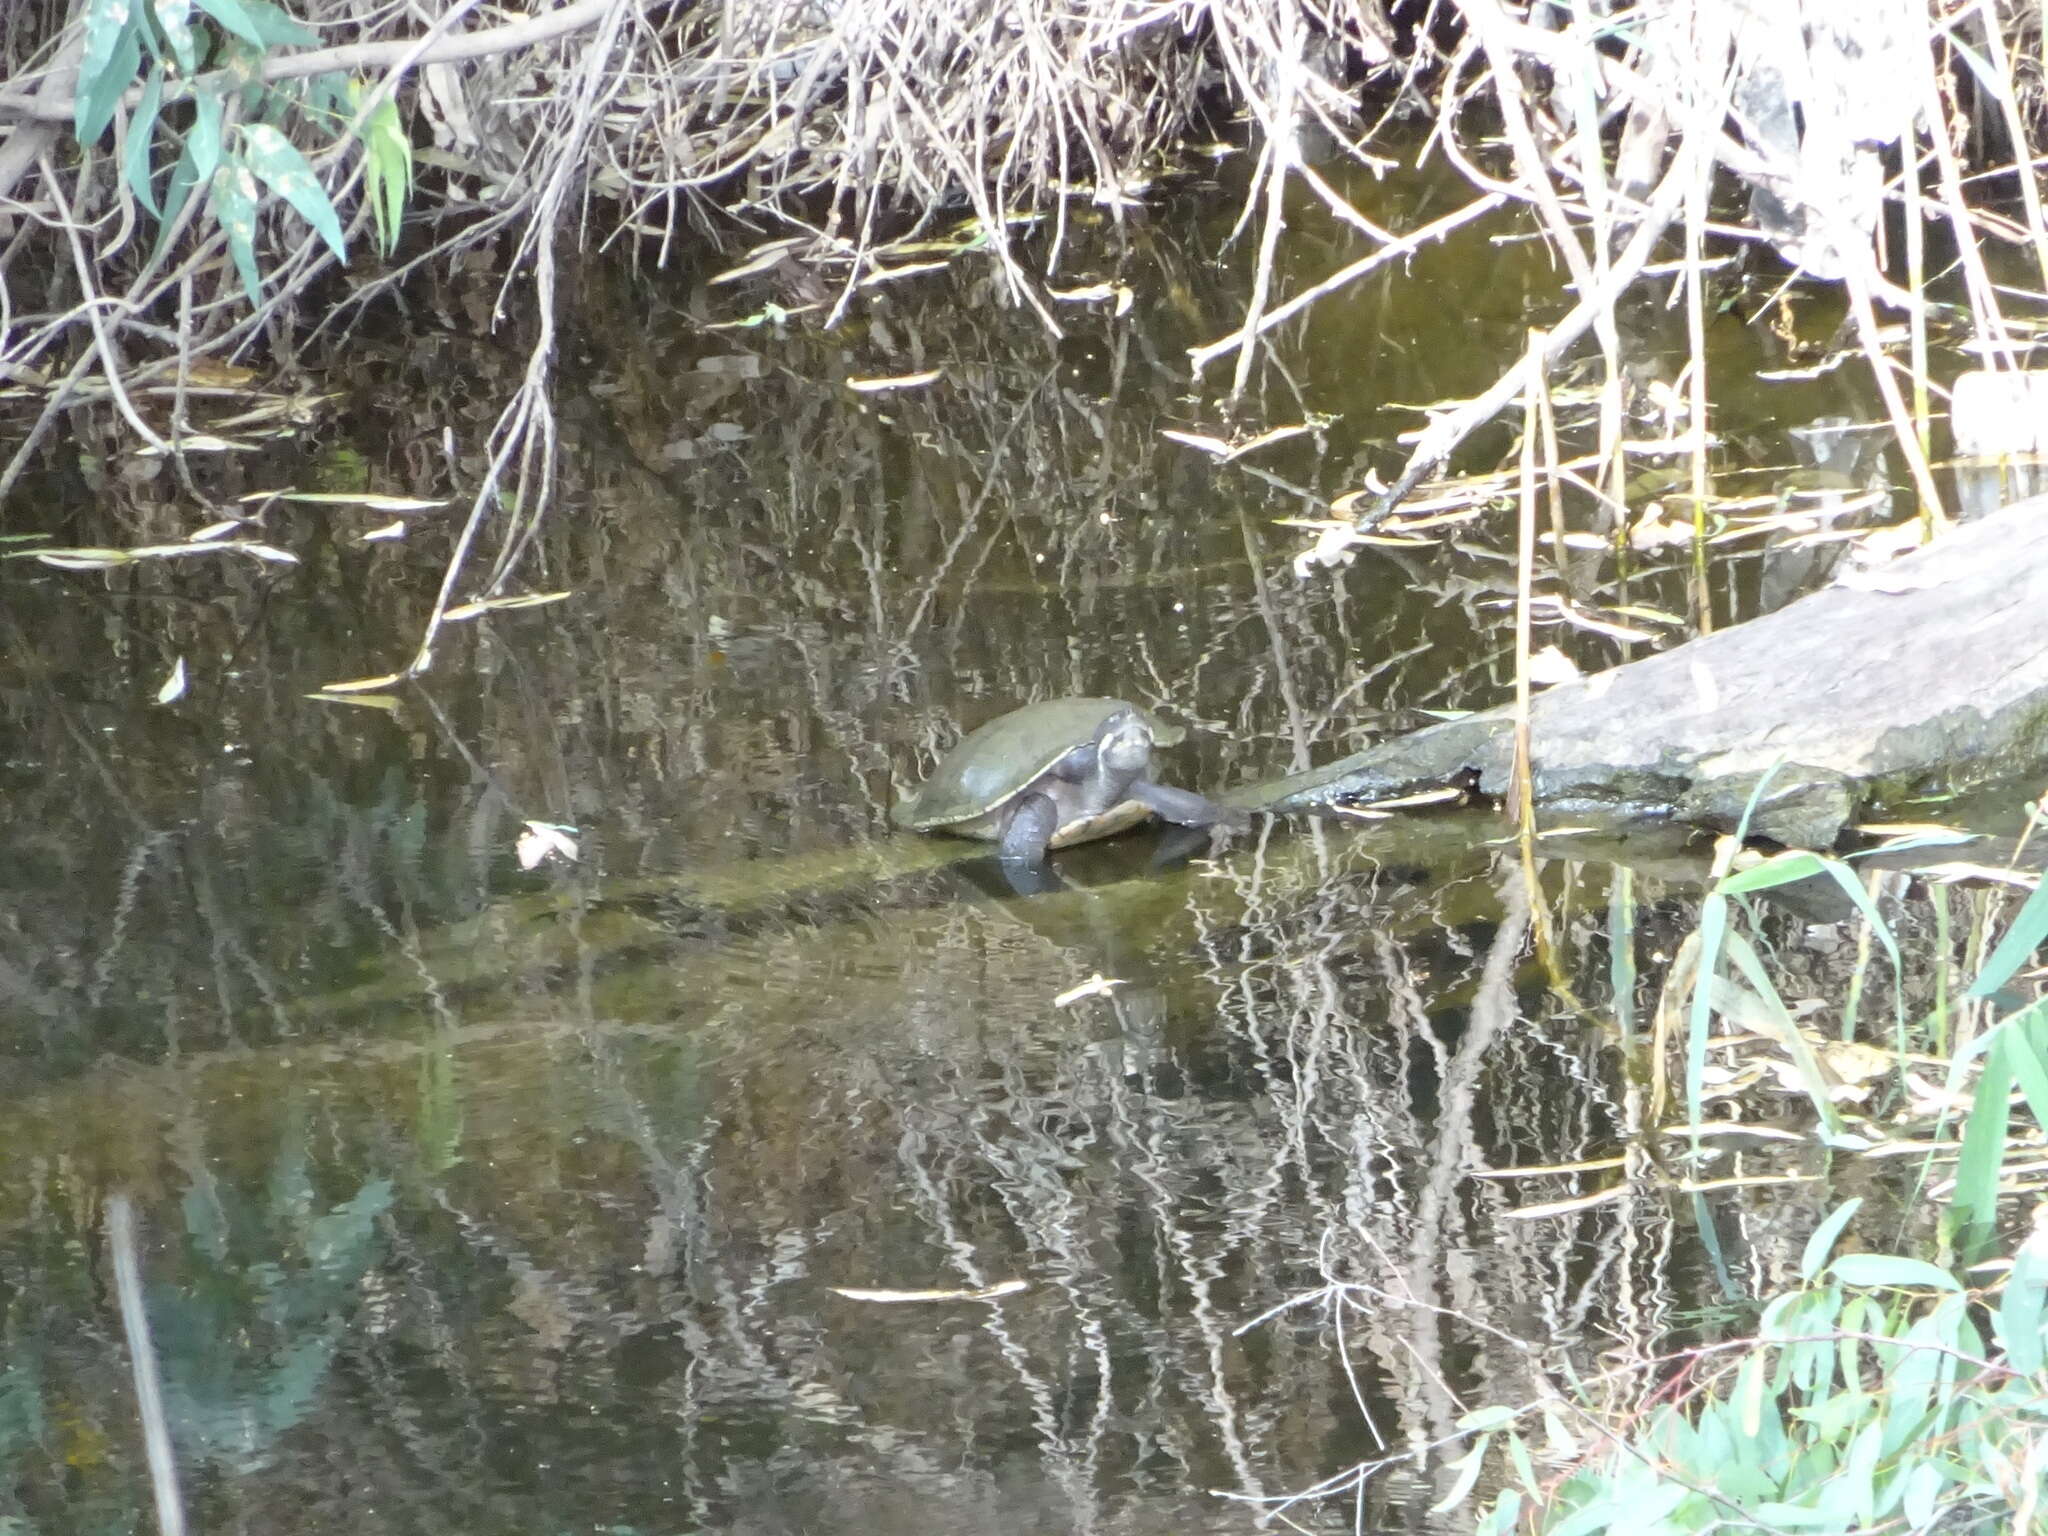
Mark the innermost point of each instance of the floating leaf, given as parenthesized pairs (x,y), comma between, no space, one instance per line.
(365,684)
(762,259)
(174,685)
(99,559)
(1210,445)
(375,501)
(985,1293)
(542,838)
(1223,451)
(1409,802)
(1949,871)
(484,605)
(277,161)
(901,381)
(389,532)
(767,314)
(198,442)
(891,274)
(1097,985)
(79,559)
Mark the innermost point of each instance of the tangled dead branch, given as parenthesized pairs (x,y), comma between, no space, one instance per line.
(227,169)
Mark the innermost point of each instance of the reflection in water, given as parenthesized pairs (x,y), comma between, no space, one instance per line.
(508,1201)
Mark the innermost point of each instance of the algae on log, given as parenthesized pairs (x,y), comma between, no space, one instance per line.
(1931,673)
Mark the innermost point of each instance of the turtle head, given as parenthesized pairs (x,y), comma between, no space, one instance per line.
(1123,744)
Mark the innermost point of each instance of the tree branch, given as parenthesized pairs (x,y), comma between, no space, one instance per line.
(47,105)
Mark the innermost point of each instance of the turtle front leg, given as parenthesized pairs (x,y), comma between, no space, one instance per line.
(1028,827)
(1183,807)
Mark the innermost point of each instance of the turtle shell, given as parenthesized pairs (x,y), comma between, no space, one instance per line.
(996,762)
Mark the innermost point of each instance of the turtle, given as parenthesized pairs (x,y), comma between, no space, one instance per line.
(1054,773)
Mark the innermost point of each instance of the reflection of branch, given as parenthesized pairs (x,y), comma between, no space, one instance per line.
(1407,245)
(45,106)
(1447,431)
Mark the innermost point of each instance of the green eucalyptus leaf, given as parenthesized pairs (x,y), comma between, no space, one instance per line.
(234,16)
(277,28)
(135,166)
(1467,1467)
(107,65)
(174,20)
(1890,1269)
(203,142)
(184,177)
(234,204)
(1922,1493)
(2024,1306)
(280,166)
(1797,1517)
(1822,1243)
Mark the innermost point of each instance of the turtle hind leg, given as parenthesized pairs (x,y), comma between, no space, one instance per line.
(1184,808)
(1028,827)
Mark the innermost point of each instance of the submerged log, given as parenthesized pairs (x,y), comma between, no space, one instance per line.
(1927,675)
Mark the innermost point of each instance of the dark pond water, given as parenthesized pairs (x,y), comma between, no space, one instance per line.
(479,1199)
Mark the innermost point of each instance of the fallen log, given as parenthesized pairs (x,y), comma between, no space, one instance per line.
(1928,675)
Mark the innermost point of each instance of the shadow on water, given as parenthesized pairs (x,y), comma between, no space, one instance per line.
(486,1200)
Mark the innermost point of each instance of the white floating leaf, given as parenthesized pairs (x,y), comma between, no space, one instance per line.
(174,685)
(482,605)
(763,259)
(198,442)
(1421,798)
(891,274)
(986,1293)
(1210,445)
(83,559)
(901,381)
(365,684)
(268,552)
(395,530)
(1097,985)
(374,500)
(542,838)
